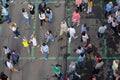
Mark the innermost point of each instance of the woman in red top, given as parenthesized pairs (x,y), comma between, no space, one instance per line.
(76,18)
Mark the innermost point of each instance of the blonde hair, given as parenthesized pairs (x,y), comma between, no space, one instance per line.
(13,25)
(33,36)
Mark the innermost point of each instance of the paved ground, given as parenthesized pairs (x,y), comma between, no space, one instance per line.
(33,65)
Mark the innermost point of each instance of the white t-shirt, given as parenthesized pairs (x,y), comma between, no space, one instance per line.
(34,41)
(85,38)
(25,14)
(42,16)
(71,31)
(9,65)
(102,29)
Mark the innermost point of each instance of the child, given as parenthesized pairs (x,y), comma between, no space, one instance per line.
(90,4)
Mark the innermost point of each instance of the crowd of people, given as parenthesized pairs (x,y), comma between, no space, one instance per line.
(84,51)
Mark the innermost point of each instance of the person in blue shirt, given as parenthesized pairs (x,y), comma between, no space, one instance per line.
(6,14)
(108,9)
(80,60)
(45,50)
(49,36)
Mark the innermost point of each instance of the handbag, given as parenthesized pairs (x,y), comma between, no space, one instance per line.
(46,19)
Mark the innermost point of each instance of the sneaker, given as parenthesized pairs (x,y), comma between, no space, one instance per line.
(16,37)
(11,1)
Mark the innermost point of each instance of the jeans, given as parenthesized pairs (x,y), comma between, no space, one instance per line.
(8,18)
(16,33)
(46,55)
(100,35)
(49,16)
(27,21)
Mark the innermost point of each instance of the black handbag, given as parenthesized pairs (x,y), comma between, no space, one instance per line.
(68,34)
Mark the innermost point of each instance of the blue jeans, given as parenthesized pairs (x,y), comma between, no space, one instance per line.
(8,18)
(49,16)
(46,55)
(16,33)
(27,21)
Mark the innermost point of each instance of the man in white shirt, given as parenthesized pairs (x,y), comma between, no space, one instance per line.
(72,33)
(45,50)
(101,30)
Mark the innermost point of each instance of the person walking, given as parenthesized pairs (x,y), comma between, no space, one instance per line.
(76,18)
(25,16)
(49,36)
(42,7)
(85,38)
(5,13)
(31,8)
(63,27)
(79,4)
(15,57)
(101,30)
(72,33)
(3,76)
(14,28)
(10,66)
(7,51)
(45,50)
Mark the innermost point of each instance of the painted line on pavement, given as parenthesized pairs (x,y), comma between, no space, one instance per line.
(25,2)
(105,46)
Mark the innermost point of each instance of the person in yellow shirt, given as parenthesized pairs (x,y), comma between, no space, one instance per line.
(26,44)
(90,4)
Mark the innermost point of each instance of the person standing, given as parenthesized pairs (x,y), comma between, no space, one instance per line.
(31,8)
(72,33)
(33,40)
(25,16)
(85,38)
(7,51)
(45,50)
(49,36)
(79,4)
(76,18)
(14,28)
(6,14)
(3,76)
(15,57)
(101,30)
(90,5)
(42,18)
(42,7)
(25,43)
(108,9)
(48,13)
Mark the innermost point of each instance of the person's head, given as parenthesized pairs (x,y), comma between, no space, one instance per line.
(23,10)
(76,10)
(13,51)
(43,4)
(90,45)
(85,25)
(72,26)
(33,36)
(13,24)
(81,54)
(79,47)
(83,33)
(50,32)
(43,44)
(5,47)
(117,61)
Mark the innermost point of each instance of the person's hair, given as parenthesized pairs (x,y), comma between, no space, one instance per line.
(83,33)
(5,47)
(85,25)
(76,10)
(79,47)
(50,31)
(13,51)
(13,25)
(81,54)
(23,9)
(43,44)
(91,77)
